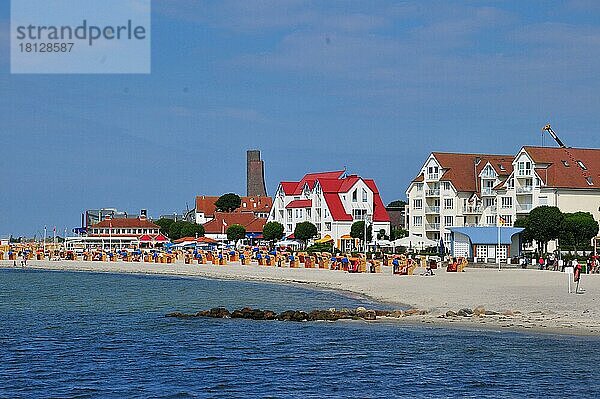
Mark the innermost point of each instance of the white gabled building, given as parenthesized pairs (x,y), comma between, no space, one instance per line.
(331,201)
(465,190)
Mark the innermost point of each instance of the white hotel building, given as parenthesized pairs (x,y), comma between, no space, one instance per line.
(457,190)
(331,201)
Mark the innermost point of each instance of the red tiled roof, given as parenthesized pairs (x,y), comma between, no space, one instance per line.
(206,204)
(310,180)
(206,240)
(289,187)
(419,178)
(380,214)
(461,170)
(126,223)
(306,203)
(252,223)
(336,208)
(559,175)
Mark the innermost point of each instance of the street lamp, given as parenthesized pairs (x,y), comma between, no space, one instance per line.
(368,219)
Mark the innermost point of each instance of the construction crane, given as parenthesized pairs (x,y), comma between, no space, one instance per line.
(584,171)
(548,129)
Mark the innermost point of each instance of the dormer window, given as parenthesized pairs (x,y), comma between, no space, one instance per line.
(589,180)
(581,165)
(501,167)
(565,163)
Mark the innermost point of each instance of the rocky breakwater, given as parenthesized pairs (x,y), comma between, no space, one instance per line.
(332,314)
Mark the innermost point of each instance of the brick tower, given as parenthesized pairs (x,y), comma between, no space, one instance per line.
(255,174)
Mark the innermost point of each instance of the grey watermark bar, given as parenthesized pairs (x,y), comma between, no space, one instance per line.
(80,36)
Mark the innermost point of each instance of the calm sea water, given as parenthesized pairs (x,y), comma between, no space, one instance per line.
(85,335)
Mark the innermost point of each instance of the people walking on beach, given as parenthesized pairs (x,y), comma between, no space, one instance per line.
(541,263)
(576,274)
(24,259)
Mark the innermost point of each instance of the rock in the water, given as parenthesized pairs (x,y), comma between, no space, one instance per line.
(219,313)
(180,315)
(369,315)
(450,313)
(465,312)
(293,315)
(411,312)
(396,313)
(382,313)
(490,313)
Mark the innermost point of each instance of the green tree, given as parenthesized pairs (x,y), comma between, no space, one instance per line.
(175,229)
(577,230)
(236,232)
(164,224)
(397,204)
(228,202)
(190,229)
(273,231)
(357,230)
(305,231)
(544,223)
(397,232)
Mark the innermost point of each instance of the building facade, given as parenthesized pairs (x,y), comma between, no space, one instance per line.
(466,190)
(332,201)
(258,205)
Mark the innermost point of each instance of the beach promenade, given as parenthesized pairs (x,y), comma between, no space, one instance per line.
(527,299)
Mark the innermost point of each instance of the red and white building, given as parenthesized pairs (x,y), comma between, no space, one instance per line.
(120,233)
(216,228)
(332,201)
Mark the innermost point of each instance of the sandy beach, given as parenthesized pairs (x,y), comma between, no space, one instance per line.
(529,300)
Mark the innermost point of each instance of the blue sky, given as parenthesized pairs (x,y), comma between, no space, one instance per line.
(317,85)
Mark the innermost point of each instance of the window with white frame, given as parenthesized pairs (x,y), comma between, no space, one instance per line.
(289,227)
(448,221)
(490,220)
(507,220)
(447,237)
(446,185)
(448,203)
(355,195)
(418,203)
(506,202)
(328,226)
(417,221)
(419,186)
(364,195)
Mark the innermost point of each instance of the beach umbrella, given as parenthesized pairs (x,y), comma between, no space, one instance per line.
(441,248)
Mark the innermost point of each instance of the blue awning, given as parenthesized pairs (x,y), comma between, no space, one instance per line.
(488,234)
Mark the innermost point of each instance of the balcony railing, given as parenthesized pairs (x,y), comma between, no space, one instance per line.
(472,209)
(432,209)
(488,175)
(432,226)
(525,190)
(524,207)
(433,176)
(433,192)
(487,191)
(523,172)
